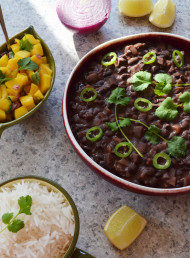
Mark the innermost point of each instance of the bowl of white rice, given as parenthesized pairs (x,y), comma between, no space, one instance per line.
(52,228)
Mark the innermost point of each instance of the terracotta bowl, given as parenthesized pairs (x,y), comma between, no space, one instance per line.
(178,41)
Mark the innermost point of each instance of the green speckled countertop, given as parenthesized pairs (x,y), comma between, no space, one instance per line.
(39,145)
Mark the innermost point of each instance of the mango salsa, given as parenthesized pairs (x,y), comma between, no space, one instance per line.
(25,77)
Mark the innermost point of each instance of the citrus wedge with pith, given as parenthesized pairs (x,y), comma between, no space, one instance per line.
(135,8)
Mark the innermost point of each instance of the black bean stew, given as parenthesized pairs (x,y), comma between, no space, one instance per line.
(84,115)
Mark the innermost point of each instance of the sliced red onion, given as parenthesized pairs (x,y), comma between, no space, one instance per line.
(39,56)
(4,53)
(83,16)
(16,87)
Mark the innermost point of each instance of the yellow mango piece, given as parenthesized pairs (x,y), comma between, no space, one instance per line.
(5,104)
(3,91)
(20,112)
(15,84)
(45,82)
(36,59)
(33,89)
(44,60)
(12,97)
(44,68)
(17,41)
(31,38)
(22,54)
(2,116)
(15,48)
(4,70)
(30,107)
(29,73)
(27,100)
(12,63)
(37,50)
(38,96)
(4,60)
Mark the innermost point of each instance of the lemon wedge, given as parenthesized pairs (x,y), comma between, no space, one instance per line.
(163,13)
(124,226)
(135,8)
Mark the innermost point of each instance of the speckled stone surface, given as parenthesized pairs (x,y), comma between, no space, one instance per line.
(39,145)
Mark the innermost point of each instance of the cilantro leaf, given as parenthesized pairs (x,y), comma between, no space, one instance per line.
(185,98)
(123,123)
(3,78)
(118,96)
(151,136)
(167,110)
(177,147)
(16,225)
(6,218)
(25,45)
(141,80)
(25,204)
(164,86)
(27,64)
(36,78)
(11,54)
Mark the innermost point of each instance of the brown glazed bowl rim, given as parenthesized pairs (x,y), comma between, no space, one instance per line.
(97,168)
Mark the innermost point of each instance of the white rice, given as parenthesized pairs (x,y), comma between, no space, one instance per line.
(48,232)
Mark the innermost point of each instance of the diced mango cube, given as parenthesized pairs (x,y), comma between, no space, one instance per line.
(31,38)
(44,60)
(38,96)
(27,100)
(4,70)
(37,50)
(30,107)
(5,104)
(12,63)
(15,48)
(22,54)
(15,84)
(3,91)
(33,89)
(2,116)
(44,68)
(30,73)
(4,60)
(36,59)
(45,82)
(17,41)
(12,97)
(20,112)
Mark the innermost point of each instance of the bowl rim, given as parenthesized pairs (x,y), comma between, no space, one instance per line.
(100,170)
(47,50)
(66,195)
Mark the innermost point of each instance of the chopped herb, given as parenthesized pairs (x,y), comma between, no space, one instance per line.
(11,54)
(118,96)
(10,107)
(27,64)
(164,84)
(167,110)
(177,147)
(36,77)
(141,80)
(22,88)
(3,78)
(25,45)
(123,123)
(13,224)
(152,134)
(185,99)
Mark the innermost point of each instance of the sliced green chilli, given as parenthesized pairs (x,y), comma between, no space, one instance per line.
(88,90)
(120,145)
(177,52)
(91,134)
(113,56)
(149,58)
(140,108)
(163,156)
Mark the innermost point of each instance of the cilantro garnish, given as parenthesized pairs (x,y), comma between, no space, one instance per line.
(152,134)
(25,45)
(11,54)
(164,84)
(177,147)
(3,78)
(167,110)
(13,224)
(27,64)
(10,107)
(123,123)
(141,80)
(185,99)
(36,77)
